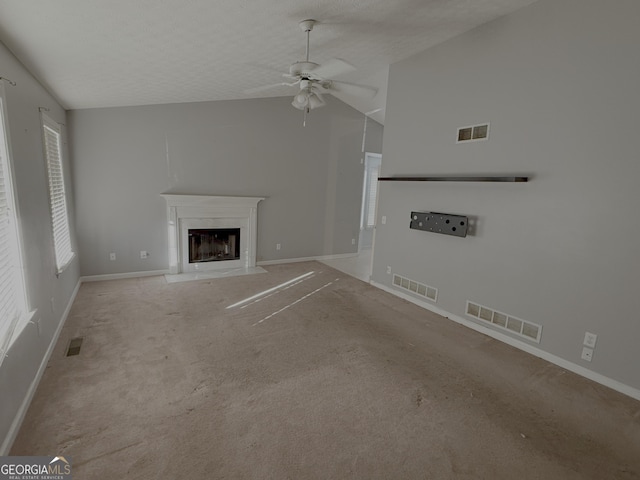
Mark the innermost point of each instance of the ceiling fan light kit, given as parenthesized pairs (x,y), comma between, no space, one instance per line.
(313,79)
(300,101)
(315,100)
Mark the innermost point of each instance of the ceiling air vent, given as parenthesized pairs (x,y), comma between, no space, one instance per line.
(473,133)
(504,321)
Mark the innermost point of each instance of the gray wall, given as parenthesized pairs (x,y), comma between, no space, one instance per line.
(558,81)
(124,158)
(374,136)
(48,294)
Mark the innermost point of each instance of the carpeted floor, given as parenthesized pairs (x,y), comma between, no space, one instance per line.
(325,378)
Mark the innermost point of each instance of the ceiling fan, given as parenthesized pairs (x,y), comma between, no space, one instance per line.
(314,79)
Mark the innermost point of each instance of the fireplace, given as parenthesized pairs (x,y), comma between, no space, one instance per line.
(211,232)
(214,244)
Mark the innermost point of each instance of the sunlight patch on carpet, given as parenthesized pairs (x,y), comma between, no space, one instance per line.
(270,290)
(297,301)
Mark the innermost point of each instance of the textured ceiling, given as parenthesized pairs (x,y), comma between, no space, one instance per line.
(98,53)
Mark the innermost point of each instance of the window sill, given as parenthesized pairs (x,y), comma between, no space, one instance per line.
(64,267)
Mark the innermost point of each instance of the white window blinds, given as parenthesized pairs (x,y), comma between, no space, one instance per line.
(12,289)
(57,197)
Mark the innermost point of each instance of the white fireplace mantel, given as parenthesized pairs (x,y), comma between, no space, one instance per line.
(211,211)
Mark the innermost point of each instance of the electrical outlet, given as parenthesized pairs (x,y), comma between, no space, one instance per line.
(144,254)
(389,270)
(384,219)
(587,354)
(590,340)
(353,241)
(112,256)
(278,246)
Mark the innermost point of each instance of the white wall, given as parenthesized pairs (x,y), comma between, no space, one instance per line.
(558,81)
(124,158)
(49,295)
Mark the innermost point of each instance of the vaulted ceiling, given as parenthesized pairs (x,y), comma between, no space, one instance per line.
(97,53)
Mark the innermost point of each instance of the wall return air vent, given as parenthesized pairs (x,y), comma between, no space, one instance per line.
(522,328)
(416,287)
(473,133)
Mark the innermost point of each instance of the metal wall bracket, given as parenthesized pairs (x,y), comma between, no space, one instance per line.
(445,223)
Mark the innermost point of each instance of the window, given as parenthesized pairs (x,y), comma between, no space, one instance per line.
(13,297)
(373,195)
(372,163)
(57,197)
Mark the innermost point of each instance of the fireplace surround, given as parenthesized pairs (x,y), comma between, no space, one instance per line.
(210,212)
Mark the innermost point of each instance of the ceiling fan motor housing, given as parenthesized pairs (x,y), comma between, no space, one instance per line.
(302,69)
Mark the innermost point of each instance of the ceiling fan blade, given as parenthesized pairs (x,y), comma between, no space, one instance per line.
(363,91)
(265,88)
(333,68)
(317,92)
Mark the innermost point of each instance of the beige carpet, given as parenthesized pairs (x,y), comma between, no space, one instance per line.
(324,378)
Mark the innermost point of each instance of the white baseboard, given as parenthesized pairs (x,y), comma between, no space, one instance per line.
(307,259)
(119,276)
(22,411)
(561,362)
